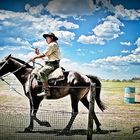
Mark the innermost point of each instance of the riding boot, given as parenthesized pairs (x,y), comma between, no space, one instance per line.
(45,93)
(46,90)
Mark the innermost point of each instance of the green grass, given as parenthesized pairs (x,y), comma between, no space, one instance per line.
(116,89)
(120,84)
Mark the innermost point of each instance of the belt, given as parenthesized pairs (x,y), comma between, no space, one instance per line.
(52,62)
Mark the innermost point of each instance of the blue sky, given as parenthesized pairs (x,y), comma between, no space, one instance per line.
(98,37)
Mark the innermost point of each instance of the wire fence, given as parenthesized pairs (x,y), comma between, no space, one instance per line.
(13,121)
(120,120)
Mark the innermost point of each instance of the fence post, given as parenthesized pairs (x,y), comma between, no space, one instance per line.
(91,111)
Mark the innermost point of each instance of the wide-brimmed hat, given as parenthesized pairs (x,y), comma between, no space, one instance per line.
(50,35)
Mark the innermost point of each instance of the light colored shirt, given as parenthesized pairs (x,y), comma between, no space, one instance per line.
(52,53)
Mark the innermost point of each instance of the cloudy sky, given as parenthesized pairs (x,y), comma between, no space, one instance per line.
(98,37)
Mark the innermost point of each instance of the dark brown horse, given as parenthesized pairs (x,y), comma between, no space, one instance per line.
(75,84)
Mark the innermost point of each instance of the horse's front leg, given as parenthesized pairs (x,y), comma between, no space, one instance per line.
(42,123)
(35,106)
(31,125)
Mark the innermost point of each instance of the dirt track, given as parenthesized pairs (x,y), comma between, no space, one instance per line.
(117,121)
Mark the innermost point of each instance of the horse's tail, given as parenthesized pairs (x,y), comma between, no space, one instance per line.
(95,80)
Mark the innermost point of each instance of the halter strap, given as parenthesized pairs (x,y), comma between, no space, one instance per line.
(6,62)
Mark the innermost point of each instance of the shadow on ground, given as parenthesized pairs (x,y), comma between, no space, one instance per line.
(71,132)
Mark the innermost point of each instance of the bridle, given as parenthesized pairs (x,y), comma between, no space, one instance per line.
(2,77)
(6,62)
(22,66)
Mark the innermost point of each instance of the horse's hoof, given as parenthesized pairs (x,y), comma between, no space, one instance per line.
(28,129)
(98,130)
(47,124)
(63,132)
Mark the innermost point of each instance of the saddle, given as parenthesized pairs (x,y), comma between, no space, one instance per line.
(54,77)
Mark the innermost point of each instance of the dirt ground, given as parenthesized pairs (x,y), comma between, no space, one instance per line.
(117,121)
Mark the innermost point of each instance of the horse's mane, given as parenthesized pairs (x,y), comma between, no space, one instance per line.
(22,62)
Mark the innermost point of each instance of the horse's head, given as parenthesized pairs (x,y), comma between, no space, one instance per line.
(11,64)
(5,65)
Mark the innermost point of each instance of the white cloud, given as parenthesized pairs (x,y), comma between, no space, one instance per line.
(7,23)
(69,25)
(39,44)
(131,59)
(92,39)
(109,29)
(2,48)
(119,10)
(108,68)
(138,42)
(33,26)
(16,42)
(27,7)
(126,43)
(125,51)
(136,51)
(65,8)
(75,8)
(65,36)
(61,7)
(102,71)
(13,48)
(70,65)
(34,10)
(23,56)
(126,14)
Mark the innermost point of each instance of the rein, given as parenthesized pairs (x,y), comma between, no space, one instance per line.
(4,64)
(11,86)
(22,66)
(13,71)
(2,79)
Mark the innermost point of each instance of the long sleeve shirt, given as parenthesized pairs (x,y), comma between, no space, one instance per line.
(52,52)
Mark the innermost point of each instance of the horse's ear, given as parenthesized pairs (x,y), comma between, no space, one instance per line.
(8,57)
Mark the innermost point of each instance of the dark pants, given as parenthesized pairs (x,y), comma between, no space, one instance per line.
(49,67)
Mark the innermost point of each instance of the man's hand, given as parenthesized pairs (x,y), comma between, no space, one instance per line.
(37,57)
(37,51)
(32,59)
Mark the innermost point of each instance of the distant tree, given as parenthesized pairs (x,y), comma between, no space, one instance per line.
(124,80)
(136,78)
(113,80)
(130,80)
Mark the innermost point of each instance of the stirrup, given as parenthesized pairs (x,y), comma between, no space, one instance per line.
(45,92)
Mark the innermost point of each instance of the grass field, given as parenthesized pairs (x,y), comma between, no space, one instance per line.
(117,121)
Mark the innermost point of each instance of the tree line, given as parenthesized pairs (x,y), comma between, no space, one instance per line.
(134,79)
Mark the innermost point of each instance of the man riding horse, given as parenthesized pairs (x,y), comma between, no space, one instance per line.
(75,84)
(51,55)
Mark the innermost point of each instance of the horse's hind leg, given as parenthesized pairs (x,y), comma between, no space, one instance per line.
(73,116)
(86,104)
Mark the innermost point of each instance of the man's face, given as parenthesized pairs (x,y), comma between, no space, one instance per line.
(49,39)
